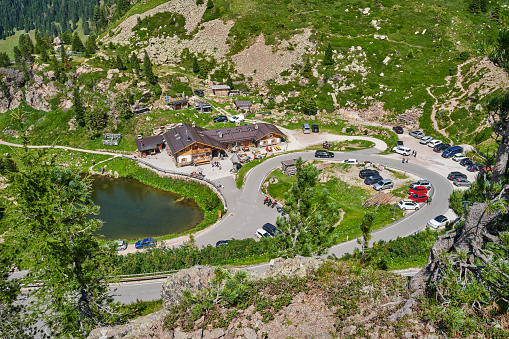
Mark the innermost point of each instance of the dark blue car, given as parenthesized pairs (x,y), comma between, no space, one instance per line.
(147,242)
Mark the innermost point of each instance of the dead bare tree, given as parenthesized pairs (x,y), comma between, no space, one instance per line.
(498,118)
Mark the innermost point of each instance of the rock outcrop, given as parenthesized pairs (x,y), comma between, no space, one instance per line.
(194,279)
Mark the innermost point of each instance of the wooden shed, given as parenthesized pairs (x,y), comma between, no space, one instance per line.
(288,167)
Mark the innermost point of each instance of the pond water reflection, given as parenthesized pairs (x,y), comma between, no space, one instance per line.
(132,210)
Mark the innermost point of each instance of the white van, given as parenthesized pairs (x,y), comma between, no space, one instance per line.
(458,156)
(306,129)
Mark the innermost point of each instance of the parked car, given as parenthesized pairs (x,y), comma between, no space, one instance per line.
(306,129)
(438,221)
(261,233)
(407,204)
(456,175)
(199,92)
(434,143)
(121,245)
(147,242)
(425,140)
(367,173)
(383,184)
(458,156)
(466,162)
(461,182)
(418,197)
(418,190)
(238,117)
(315,129)
(424,183)
(221,118)
(441,147)
(324,154)
(373,179)
(399,143)
(271,229)
(416,134)
(398,129)
(473,167)
(221,243)
(402,150)
(350,161)
(451,151)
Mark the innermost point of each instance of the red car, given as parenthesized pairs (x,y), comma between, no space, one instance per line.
(418,197)
(418,190)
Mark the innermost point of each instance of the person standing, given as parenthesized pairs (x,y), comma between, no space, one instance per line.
(415,154)
(407,160)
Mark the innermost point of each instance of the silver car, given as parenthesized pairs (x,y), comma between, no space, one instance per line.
(461,182)
(424,183)
(383,184)
(416,134)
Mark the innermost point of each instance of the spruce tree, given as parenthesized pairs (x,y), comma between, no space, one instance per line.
(17,55)
(327,59)
(86,27)
(91,45)
(196,65)
(135,64)
(79,109)
(229,82)
(307,70)
(147,69)
(77,45)
(119,63)
(56,67)
(122,107)
(4,60)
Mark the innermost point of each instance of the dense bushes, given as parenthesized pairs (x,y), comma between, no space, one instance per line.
(165,258)
(411,251)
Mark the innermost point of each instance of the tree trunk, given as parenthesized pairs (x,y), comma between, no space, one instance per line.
(479,228)
(502,157)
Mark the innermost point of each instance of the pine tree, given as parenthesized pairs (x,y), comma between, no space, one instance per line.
(307,103)
(135,64)
(307,70)
(66,259)
(77,45)
(229,82)
(4,59)
(91,45)
(147,69)
(119,63)
(56,67)
(196,65)
(66,65)
(67,37)
(4,89)
(79,109)
(96,118)
(86,27)
(327,59)
(122,107)
(311,214)
(17,55)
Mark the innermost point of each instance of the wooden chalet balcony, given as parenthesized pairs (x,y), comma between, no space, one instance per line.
(199,151)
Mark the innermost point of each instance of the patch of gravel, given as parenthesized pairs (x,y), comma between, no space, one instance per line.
(263,62)
(188,8)
(210,39)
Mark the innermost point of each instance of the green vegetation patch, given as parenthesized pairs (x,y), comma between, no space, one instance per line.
(160,25)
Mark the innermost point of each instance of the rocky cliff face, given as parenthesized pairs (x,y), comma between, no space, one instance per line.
(37,92)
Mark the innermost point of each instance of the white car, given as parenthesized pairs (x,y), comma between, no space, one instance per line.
(434,143)
(407,204)
(261,233)
(439,221)
(402,150)
(425,140)
(457,157)
(238,117)
(350,161)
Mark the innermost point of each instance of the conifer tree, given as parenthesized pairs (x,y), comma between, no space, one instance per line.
(119,63)
(307,70)
(196,65)
(327,59)
(4,59)
(65,60)
(91,45)
(122,107)
(147,69)
(135,64)
(77,45)
(86,27)
(56,67)
(17,55)
(79,109)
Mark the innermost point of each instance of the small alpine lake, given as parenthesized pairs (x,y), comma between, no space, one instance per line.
(131,210)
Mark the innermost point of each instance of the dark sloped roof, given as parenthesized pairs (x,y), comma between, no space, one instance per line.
(184,135)
(202,103)
(245,103)
(242,133)
(149,143)
(178,102)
